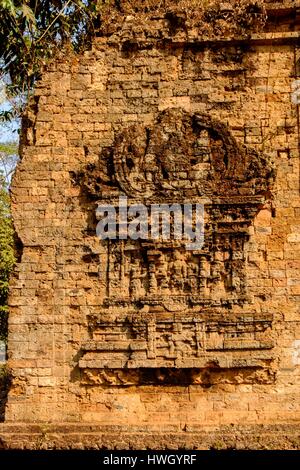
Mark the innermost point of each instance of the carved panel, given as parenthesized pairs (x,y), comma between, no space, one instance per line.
(183,339)
(166,307)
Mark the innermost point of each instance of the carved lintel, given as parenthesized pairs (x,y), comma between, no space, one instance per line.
(176,342)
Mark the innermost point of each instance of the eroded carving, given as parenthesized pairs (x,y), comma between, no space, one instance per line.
(205,377)
(164,339)
(181,153)
(166,307)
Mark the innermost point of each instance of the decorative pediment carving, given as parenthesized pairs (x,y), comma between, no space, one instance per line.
(184,154)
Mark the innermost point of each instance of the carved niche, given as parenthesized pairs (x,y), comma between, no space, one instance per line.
(167,310)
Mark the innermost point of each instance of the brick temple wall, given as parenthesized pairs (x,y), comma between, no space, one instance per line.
(84,108)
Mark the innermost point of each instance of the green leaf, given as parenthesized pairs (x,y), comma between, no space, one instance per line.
(9,6)
(28,14)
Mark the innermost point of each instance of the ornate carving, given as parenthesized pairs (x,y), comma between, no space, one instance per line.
(166,307)
(181,153)
(205,377)
(164,339)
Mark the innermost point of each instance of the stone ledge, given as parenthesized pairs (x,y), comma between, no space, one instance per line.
(85,436)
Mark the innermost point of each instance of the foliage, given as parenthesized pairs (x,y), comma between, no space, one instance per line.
(5,376)
(5,382)
(8,159)
(32,31)
(7,256)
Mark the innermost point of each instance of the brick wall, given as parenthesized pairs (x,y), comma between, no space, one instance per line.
(79,107)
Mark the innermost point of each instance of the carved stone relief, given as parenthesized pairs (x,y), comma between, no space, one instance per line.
(166,307)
